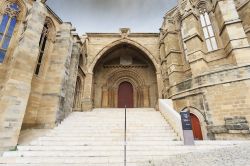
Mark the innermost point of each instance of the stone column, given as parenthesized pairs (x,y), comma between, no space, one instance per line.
(115,97)
(71,83)
(232,32)
(105,97)
(146,96)
(87,102)
(16,90)
(160,84)
(51,107)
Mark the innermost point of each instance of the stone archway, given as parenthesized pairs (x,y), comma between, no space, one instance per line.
(110,90)
(116,43)
(124,63)
(202,121)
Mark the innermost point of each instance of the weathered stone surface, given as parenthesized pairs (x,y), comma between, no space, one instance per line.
(80,74)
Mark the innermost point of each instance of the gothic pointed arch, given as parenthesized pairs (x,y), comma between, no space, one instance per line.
(124,41)
(124,62)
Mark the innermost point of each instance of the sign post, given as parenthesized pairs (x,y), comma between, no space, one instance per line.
(187,127)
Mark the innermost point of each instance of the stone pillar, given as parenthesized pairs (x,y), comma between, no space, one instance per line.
(172,52)
(232,32)
(173,57)
(146,96)
(73,71)
(16,90)
(115,97)
(105,97)
(51,107)
(87,102)
(194,42)
(160,84)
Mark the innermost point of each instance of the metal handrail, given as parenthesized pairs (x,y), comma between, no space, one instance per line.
(125,137)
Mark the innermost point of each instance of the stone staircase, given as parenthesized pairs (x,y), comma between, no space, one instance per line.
(96,139)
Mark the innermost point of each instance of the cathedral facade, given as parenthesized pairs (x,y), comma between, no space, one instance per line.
(200,59)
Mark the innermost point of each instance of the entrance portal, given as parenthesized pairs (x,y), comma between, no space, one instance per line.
(124,76)
(125,95)
(196,127)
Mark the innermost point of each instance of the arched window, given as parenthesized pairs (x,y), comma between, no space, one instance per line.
(208,30)
(7,26)
(42,46)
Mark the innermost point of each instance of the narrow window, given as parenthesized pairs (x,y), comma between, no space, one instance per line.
(208,31)
(7,27)
(42,46)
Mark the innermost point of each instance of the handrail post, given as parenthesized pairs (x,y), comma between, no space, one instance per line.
(125,137)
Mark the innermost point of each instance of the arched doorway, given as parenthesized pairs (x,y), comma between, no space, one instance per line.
(125,95)
(196,127)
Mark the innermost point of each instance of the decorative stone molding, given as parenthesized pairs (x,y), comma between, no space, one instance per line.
(124,32)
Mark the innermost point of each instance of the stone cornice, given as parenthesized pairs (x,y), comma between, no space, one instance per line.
(54,14)
(225,23)
(169,32)
(243,4)
(119,35)
(126,66)
(187,38)
(207,79)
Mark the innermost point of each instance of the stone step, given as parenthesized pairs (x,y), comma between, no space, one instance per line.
(62,164)
(134,129)
(100,147)
(97,153)
(110,138)
(109,134)
(108,143)
(121,109)
(78,160)
(96,138)
(80,127)
(113,120)
(129,123)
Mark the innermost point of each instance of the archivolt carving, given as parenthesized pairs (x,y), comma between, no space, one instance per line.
(141,96)
(128,74)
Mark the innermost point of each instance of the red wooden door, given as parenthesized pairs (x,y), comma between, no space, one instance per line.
(125,95)
(196,127)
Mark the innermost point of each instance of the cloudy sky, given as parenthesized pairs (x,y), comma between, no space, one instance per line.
(110,15)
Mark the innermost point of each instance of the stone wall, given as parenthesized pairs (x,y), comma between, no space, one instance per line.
(16,90)
(214,84)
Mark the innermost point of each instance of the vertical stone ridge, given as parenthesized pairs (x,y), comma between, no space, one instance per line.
(55,82)
(16,91)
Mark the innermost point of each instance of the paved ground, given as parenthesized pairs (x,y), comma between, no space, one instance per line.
(239,155)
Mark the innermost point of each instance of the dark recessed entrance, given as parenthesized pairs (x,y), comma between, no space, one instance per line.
(125,95)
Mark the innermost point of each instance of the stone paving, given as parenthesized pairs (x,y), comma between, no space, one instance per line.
(238,155)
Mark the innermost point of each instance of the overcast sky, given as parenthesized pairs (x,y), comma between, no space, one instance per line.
(110,15)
